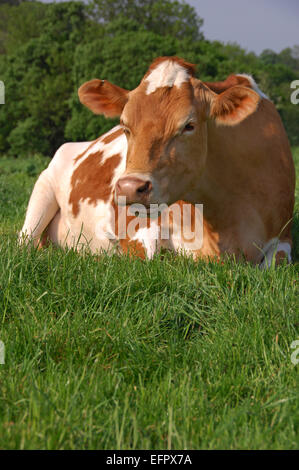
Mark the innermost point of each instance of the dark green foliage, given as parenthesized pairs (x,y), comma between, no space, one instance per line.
(164,17)
(43,66)
(37,78)
(288,57)
(19,22)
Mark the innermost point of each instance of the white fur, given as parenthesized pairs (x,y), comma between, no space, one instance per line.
(168,73)
(49,202)
(273,247)
(149,237)
(253,85)
(118,145)
(41,209)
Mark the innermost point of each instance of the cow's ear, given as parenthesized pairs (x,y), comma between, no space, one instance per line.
(234,105)
(103,98)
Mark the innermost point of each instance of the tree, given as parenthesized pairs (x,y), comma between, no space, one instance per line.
(269,57)
(163,17)
(11,2)
(16,24)
(288,56)
(38,84)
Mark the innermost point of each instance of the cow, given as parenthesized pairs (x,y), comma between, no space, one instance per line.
(180,142)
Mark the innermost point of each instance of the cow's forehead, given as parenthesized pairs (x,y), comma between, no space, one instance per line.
(168,73)
(165,94)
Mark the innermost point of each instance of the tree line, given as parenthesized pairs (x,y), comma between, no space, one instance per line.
(48,50)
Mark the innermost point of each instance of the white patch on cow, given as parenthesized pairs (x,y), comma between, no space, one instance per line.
(103,229)
(149,237)
(114,129)
(253,85)
(168,73)
(273,247)
(118,146)
(120,169)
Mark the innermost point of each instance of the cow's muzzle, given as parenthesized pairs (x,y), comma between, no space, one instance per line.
(134,189)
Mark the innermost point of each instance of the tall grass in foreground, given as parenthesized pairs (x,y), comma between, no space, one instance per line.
(129,354)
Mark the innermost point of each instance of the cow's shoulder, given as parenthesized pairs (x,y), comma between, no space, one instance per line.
(63,158)
(95,170)
(74,152)
(71,155)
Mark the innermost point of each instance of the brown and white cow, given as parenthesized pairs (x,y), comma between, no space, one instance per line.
(218,144)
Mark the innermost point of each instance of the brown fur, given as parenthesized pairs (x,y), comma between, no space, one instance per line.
(85,151)
(237,162)
(230,81)
(91,180)
(102,97)
(150,134)
(109,138)
(247,181)
(280,257)
(233,104)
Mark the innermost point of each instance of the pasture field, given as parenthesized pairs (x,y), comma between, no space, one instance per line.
(114,353)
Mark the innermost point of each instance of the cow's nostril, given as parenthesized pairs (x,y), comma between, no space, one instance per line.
(134,189)
(145,188)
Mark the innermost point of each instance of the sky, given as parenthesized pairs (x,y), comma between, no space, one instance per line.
(254,24)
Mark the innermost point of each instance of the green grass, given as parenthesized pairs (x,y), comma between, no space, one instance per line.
(130,354)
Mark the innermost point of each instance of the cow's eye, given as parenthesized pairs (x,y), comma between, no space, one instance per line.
(127,131)
(189,127)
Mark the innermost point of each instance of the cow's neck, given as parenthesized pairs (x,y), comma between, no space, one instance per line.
(224,179)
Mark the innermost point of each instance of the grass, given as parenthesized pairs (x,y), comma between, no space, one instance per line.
(119,354)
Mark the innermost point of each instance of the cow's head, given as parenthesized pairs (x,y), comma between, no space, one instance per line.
(165,122)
